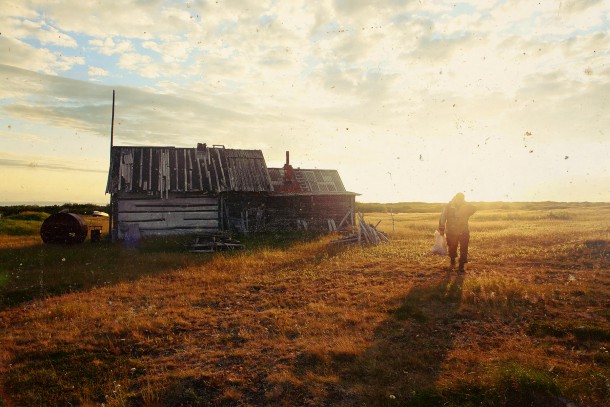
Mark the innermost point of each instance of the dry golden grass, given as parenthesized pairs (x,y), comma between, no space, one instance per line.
(311,324)
(18,242)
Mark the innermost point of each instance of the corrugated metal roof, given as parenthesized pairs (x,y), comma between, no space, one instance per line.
(309,181)
(161,170)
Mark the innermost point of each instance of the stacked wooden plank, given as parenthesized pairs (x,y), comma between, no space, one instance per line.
(209,243)
(365,234)
(368,233)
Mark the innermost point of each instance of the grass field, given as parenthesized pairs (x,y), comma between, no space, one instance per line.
(295,321)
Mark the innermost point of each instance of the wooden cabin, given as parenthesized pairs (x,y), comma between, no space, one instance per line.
(170,190)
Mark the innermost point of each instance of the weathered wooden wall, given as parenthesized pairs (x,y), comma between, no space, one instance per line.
(243,212)
(175,215)
(322,212)
(315,210)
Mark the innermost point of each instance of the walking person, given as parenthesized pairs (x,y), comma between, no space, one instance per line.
(454,224)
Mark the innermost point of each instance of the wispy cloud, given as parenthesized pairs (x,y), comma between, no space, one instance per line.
(20,54)
(97,71)
(42,165)
(107,46)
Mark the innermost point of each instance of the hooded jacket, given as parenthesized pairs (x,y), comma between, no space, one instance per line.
(454,218)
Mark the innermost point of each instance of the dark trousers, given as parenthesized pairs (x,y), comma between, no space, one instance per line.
(452,243)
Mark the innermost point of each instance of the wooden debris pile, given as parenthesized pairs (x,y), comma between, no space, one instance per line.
(209,243)
(365,234)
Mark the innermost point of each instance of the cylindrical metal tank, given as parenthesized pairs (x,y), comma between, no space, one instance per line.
(64,228)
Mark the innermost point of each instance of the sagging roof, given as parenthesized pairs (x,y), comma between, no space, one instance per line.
(160,170)
(307,181)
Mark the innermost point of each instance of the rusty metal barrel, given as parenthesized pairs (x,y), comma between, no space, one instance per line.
(64,228)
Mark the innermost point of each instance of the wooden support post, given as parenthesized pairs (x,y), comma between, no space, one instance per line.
(221,213)
(347,215)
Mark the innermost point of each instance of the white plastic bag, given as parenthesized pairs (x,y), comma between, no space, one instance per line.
(440,244)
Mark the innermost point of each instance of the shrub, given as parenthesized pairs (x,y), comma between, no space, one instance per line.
(29,215)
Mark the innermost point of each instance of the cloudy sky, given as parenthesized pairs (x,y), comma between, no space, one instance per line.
(410,100)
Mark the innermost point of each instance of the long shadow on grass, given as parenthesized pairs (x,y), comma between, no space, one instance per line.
(406,357)
(405,362)
(47,270)
(410,347)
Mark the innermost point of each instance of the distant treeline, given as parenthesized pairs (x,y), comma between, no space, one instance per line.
(400,207)
(81,209)
(425,207)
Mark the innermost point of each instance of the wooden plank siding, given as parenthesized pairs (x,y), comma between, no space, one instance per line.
(168,216)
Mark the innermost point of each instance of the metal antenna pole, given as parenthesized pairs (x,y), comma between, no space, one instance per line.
(110,217)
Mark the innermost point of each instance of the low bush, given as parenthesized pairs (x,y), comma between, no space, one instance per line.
(29,215)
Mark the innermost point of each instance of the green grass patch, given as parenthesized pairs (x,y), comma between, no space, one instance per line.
(277,240)
(465,394)
(558,329)
(164,244)
(15,227)
(22,224)
(513,384)
(524,385)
